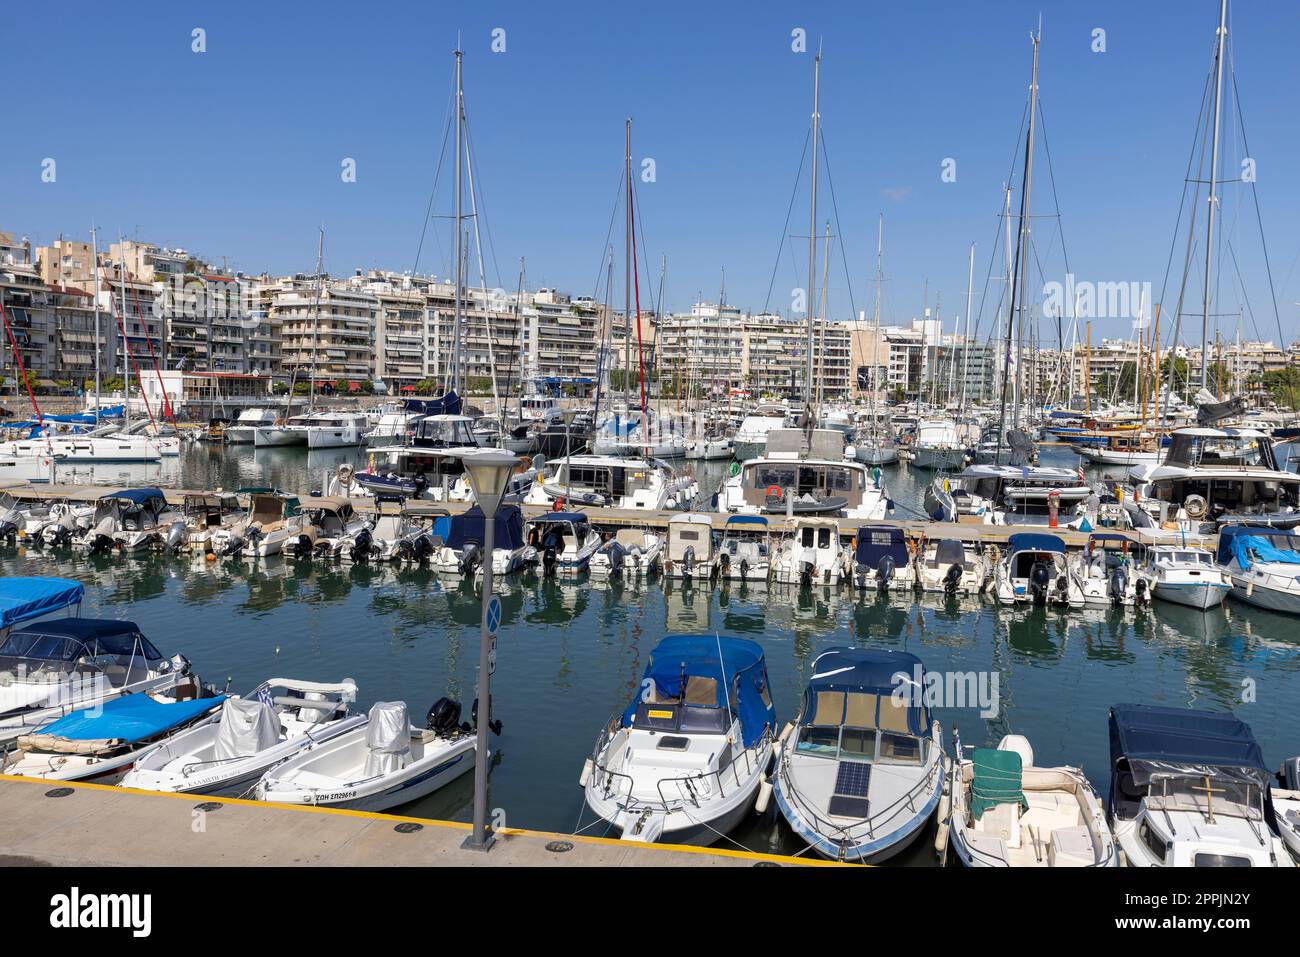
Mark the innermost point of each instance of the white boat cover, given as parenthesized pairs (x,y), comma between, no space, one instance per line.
(248,726)
(388,738)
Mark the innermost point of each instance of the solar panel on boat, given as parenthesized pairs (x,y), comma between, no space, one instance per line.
(849,799)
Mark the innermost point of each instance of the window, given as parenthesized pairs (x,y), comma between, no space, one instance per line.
(818,740)
(1155,843)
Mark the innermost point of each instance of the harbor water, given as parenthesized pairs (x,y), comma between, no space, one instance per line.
(572,654)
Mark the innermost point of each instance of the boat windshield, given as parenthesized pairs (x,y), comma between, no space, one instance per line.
(845,727)
(682,717)
(1210,795)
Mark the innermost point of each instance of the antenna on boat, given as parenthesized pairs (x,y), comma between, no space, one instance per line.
(726,688)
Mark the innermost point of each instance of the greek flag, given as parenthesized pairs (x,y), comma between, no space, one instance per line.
(264,696)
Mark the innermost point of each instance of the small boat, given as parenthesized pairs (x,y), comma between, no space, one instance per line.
(204,513)
(396,536)
(881,560)
(329,528)
(132,520)
(1185,575)
(1261,563)
(950,566)
(683,763)
(689,552)
(380,764)
(1106,572)
(1034,571)
(564,541)
(101,742)
(63,522)
(1005,812)
(633,551)
(809,552)
(861,771)
(1188,788)
(745,552)
(461,551)
(272,520)
(228,753)
(1285,797)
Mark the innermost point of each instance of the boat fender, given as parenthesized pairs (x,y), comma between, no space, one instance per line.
(785,733)
(764,796)
(587,767)
(944,829)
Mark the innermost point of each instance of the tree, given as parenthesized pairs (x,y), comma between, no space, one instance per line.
(301,388)
(279,388)
(341,386)
(1283,386)
(366,387)
(1180,372)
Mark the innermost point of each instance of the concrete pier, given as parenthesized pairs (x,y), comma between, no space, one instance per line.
(48,823)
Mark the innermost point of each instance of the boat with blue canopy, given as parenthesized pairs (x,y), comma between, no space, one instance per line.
(464,538)
(684,761)
(102,742)
(881,560)
(1189,788)
(1034,571)
(22,599)
(564,542)
(860,771)
(1263,565)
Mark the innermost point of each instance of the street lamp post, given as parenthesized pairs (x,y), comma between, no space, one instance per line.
(489,472)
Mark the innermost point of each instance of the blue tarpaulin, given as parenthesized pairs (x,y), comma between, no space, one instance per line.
(737,663)
(1266,544)
(1035,542)
(133,717)
(139,496)
(877,541)
(449,404)
(871,671)
(471,526)
(22,599)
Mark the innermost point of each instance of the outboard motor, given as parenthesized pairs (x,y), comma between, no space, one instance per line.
(176,536)
(361,545)
(616,553)
(724,565)
(688,561)
(471,556)
(806,575)
(952,578)
(8,530)
(101,544)
(1140,587)
(885,572)
(1040,580)
(744,569)
(549,559)
(324,548)
(405,551)
(1063,590)
(423,549)
(1118,585)
(443,717)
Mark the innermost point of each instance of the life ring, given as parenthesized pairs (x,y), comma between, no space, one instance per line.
(767,493)
(1195,506)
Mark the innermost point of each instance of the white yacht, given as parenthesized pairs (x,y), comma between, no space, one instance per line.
(1188,789)
(101,445)
(1107,572)
(801,475)
(751,437)
(242,430)
(1263,565)
(937,445)
(1034,571)
(1185,575)
(292,431)
(1006,495)
(809,552)
(684,762)
(860,772)
(609,481)
(335,430)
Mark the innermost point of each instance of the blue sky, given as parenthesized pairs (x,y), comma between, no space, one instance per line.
(236,152)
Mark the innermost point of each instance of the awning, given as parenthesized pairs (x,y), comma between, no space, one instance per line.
(22,599)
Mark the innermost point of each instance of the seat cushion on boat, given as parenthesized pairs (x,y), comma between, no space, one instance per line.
(1002,821)
(1070,847)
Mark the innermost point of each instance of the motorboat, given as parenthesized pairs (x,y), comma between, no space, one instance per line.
(131,520)
(607,481)
(1263,565)
(1185,575)
(1189,788)
(717,448)
(952,567)
(751,437)
(241,431)
(204,513)
(629,551)
(689,552)
(272,520)
(398,537)
(291,431)
(64,521)
(15,515)
(396,426)
(1107,573)
(937,445)
(882,561)
(683,763)
(1034,571)
(462,549)
(335,430)
(227,753)
(1006,494)
(102,741)
(39,467)
(805,475)
(872,449)
(431,466)
(1007,812)
(860,771)
(380,764)
(564,541)
(809,552)
(329,528)
(745,551)
(101,445)
(1284,794)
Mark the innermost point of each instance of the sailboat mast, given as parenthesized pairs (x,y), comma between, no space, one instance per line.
(1022,256)
(875,335)
(126,346)
(460,267)
(627,275)
(965,360)
(315,320)
(821,334)
(94,247)
(1214,190)
(812,240)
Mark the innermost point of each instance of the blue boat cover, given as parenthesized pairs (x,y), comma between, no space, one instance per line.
(873,671)
(67,639)
(471,526)
(449,404)
(131,718)
(140,496)
(1237,541)
(877,541)
(1152,738)
(1035,542)
(740,666)
(25,598)
(571,517)
(441,528)
(747,520)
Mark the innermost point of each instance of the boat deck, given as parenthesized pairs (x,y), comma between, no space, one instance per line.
(635,518)
(41,828)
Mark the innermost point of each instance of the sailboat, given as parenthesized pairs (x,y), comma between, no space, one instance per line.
(876,446)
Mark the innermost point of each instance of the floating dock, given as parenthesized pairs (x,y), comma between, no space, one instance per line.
(55,823)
